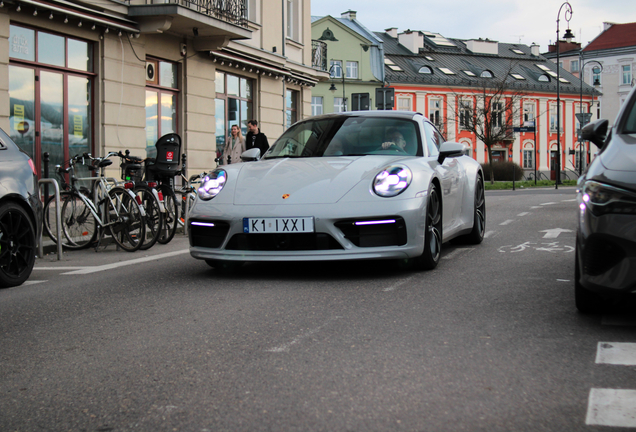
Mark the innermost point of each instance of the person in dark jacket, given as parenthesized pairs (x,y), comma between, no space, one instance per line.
(255,138)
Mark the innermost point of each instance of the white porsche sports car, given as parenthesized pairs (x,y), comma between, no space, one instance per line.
(355,185)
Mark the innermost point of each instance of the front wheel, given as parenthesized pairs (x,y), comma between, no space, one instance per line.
(433,235)
(125,220)
(476,236)
(586,301)
(17,245)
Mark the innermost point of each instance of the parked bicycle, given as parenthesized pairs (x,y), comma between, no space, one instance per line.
(111,209)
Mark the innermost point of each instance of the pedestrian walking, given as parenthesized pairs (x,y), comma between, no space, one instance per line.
(256,138)
(234,145)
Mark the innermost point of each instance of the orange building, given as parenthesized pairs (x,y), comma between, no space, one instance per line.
(448,80)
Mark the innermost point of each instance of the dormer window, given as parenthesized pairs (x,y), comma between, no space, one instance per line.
(425,70)
(392,65)
(486,74)
(469,73)
(447,71)
(517,51)
(429,58)
(544,78)
(517,76)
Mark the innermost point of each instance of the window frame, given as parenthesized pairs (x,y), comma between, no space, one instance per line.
(354,65)
(315,106)
(626,73)
(337,71)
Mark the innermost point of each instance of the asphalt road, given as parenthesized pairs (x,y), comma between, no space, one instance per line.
(158,341)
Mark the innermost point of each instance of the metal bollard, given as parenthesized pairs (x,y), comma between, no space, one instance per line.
(45,163)
(58,219)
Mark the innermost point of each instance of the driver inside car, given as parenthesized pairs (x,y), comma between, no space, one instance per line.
(394,138)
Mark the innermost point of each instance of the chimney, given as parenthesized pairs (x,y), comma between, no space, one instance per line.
(607,25)
(392,31)
(534,49)
(481,46)
(350,15)
(412,40)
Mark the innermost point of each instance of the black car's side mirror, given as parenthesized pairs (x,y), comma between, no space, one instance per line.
(595,132)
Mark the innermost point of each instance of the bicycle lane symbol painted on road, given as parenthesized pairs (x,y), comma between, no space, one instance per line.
(552,247)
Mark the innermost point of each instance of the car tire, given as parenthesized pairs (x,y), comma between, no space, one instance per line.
(17,245)
(433,235)
(585,300)
(476,236)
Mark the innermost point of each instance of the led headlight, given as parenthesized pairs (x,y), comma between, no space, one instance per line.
(602,199)
(212,184)
(392,181)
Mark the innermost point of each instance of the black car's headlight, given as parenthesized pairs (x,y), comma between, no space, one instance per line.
(603,199)
(212,184)
(392,181)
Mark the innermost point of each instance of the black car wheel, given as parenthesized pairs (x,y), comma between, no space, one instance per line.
(433,236)
(17,245)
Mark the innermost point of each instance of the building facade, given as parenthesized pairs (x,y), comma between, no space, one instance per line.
(106,76)
(355,61)
(448,79)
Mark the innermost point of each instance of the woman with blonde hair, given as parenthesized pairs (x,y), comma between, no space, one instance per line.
(234,146)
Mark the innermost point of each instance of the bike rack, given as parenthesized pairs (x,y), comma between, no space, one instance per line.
(58,219)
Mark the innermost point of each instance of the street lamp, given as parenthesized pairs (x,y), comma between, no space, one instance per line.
(584,118)
(568,36)
(333,88)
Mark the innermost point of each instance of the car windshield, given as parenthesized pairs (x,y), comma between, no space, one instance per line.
(629,127)
(348,136)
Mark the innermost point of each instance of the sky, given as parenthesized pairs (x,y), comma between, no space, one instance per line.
(509,21)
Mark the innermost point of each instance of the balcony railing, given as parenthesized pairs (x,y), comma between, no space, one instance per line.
(231,11)
(319,55)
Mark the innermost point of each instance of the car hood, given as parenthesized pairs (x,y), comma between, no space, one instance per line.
(305,180)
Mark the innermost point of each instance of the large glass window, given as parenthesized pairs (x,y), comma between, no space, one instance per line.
(161,103)
(50,108)
(316,105)
(335,68)
(497,114)
(352,69)
(233,104)
(434,111)
(528,159)
(626,74)
(465,114)
(291,108)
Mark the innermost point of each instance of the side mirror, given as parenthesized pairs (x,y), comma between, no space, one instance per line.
(450,149)
(251,155)
(595,132)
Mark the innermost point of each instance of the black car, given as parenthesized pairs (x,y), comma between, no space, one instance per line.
(20,213)
(605,267)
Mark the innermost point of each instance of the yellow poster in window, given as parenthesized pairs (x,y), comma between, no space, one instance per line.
(18,117)
(78,126)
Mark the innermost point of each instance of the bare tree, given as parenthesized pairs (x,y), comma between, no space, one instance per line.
(494,105)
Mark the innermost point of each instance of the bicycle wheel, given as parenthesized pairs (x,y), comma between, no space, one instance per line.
(78,223)
(125,220)
(171,217)
(154,217)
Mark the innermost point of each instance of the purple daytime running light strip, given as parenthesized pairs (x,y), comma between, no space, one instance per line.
(206,224)
(377,222)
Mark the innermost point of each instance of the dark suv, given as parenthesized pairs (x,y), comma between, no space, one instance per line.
(606,236)
(20,213)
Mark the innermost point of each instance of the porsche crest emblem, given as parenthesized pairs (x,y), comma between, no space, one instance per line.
(285,196)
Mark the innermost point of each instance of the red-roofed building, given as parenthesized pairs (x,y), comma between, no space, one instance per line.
(615,50)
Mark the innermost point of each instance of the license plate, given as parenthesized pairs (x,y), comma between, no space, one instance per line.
(278,225)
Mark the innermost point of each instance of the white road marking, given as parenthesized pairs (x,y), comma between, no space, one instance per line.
(570,200)
(489,234)
(523,214)
(95,269)
(610,407)
(59,268)
(33,282)
(616,353)
(554,232)
(507,222)
(297,339)
(535,207)
(619,320)
(398,284)
(456,252)
(545,204)
(563,280)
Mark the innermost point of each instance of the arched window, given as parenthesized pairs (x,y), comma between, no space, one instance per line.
(544,78)
(486,74)
(425,70)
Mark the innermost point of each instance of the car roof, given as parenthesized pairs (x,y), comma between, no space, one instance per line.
(406,115)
